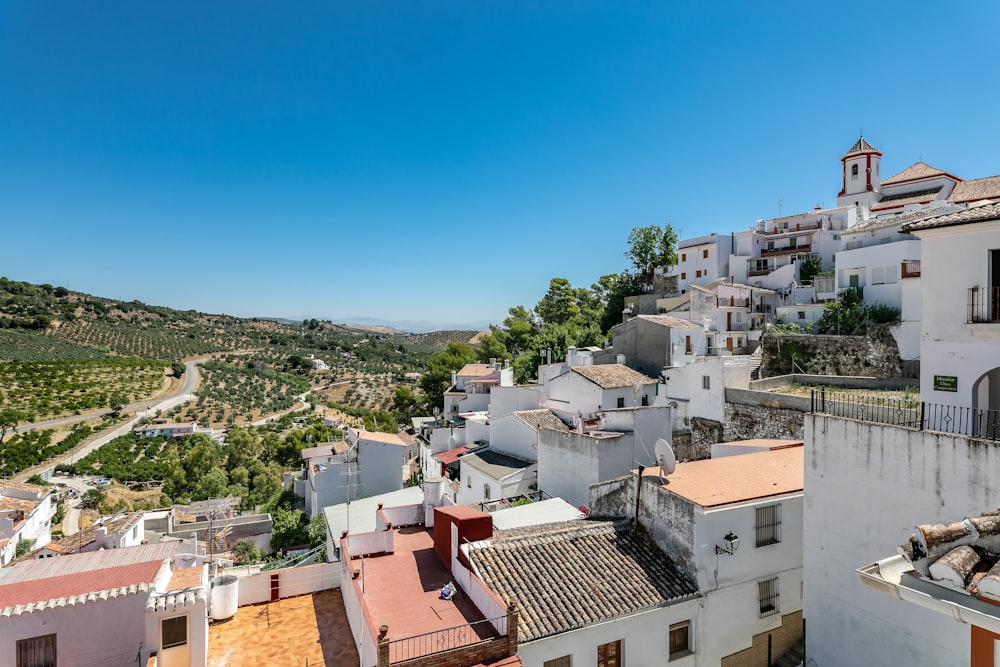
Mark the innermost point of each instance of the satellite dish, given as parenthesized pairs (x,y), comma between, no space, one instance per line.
(665,457)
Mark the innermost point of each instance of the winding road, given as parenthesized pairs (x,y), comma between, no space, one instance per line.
(139,410)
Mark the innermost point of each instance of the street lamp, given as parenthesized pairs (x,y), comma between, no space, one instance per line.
(732,544)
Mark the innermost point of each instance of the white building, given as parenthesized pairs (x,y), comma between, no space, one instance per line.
(109,532)
(117,607)
(733,524)
(592,593)
(960,336)
(702,260)
(25,515)
(583,390)
(487,474)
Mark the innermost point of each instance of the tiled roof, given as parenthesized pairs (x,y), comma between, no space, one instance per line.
(890,220)
(541,418)
(8,504)
(77,579)
(451,455)
(976,189)
(475,370)
(174,599)
(668,321)
(969,215)
(612,376)
(896,201)
(914,172)
(861,146)
(495,465)
(736,479)
(572,574)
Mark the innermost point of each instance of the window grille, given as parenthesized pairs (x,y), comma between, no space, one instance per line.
(768,594)
(768,525)
(562,661)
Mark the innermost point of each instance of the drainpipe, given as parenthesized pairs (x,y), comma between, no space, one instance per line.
(638,490)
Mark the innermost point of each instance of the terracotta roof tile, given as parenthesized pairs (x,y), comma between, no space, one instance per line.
(542,418)
(668,321)
(970,215)
(36,489)
(890,220)
(475,370)
(377,436)
(571,574)
(976,190)
(612,376)
(915,172)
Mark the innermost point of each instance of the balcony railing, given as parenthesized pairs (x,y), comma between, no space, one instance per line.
(923,416)
(786,251)
(910,268)
(984,305)
(401,650)
(788,228)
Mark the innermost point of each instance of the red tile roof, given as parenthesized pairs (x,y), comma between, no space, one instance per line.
(72,585)
(451,455)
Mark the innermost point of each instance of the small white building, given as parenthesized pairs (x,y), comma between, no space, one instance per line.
(109,532)
(702,260)
(583,390)
(487,475)
(733,524)
(113,607)
(25,515)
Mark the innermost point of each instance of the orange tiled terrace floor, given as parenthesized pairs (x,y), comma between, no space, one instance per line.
(403,590)
(290,632)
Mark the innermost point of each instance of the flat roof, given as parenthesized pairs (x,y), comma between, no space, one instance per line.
(362,512)
(735,479)
(547,511)
(762,443)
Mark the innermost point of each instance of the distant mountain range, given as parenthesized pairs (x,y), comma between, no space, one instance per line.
(408,326)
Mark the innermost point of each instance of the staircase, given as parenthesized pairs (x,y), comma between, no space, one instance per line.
(756,361)
(795,657)
(215,541)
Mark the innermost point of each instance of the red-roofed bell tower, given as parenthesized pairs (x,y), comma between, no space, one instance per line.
(861,185)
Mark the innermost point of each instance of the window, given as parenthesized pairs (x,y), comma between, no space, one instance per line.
(684,257)
(697,274)
(706,382)
(684,275)
(621,401)
(174,632)
(687,344)
(37,652)
(854,171)
(768,593)
(704,254)
(468,481)
(486,491)
(610,655)
(645,399)
(802,314)
(564,661)
(680,640)
(768,525)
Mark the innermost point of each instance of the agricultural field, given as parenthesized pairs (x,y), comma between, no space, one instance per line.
(46,389)
(23,450)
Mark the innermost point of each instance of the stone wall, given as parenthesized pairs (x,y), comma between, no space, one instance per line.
(696,444)
(783,638)
(874,355)
(764,419)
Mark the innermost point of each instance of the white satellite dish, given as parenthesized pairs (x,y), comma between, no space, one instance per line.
(665,457)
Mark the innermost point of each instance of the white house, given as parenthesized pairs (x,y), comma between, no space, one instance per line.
(732,315)
(111,532)
(702,260)
(487,474)
(650,343)
(119,607)
(25,515)
(592,593)
(732,524)
(517,433)
(583,390)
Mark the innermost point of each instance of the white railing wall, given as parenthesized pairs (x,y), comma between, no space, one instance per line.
(380,542)
(291,582)
(486,601)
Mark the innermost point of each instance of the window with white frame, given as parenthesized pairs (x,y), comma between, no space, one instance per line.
(680,640)
(768,525)
(37,651)
(767,592)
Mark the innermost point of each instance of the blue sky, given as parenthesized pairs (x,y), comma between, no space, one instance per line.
(443,160)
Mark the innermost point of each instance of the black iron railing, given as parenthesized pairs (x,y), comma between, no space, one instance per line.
(984,304)
(920,415)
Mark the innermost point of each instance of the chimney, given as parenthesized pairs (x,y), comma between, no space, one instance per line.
(454,378)
(620,359)
(570,353)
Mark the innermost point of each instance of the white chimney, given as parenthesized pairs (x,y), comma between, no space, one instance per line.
(620,359)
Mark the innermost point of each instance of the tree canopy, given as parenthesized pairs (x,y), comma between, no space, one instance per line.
(650,247)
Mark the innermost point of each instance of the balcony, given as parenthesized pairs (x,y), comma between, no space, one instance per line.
(790,250)
(984,305)
(910,268)
(788,228)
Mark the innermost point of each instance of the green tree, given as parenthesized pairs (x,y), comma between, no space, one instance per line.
(10,418)
(560,303)
(489,347)
(23,547)
(437,376)
(177,369)
(405,404)
(809,268)
(612,290)
(37,480)
(92,499)
(212,484)
(117,402)
(650,247)
(288,528)
(242,446)
(247,553)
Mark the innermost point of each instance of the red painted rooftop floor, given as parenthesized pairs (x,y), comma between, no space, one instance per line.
(402,590)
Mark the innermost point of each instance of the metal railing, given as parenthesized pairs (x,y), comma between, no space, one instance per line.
(439,641)
(920,415)
(984,304)
(910,268)
(514,501)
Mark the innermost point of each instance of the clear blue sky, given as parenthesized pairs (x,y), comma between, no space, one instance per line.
(444,160)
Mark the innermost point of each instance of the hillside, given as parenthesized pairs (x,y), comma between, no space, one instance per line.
(64,352)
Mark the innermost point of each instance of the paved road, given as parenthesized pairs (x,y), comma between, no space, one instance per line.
(71,519)
(148,408)
(185,393)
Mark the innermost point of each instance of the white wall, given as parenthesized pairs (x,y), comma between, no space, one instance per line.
(192,654)
(291,581)
(954,260)
(381,466)
(505,400)
(867,486)
(879,266)
(511,435)
(686,383)
(645,640)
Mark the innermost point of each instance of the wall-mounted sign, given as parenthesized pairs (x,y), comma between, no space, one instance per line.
(945,383)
